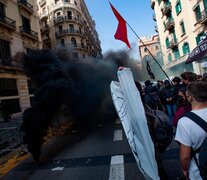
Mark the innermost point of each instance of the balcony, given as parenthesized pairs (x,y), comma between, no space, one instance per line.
(74,19)
(68,32)
(42,2)
(152,4)
(60,33)
(25,5)
(73,32)
(44,29)
(170,24)
(156,29)
(46,40)
(8,23)
(61,5)
(58,20)
(154,17)
(173,44)
(176,62)
(166,8)
(28,33)
(43,15)
(203,18)
(68,19)
(79,46)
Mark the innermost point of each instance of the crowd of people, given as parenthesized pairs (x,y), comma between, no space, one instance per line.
(184,94)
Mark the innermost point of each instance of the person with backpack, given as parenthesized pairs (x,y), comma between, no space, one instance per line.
(169,95)
(160,130)
(191,133)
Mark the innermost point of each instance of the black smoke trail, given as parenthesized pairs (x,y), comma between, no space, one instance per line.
(80,86)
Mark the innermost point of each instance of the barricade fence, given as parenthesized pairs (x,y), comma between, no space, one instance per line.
(10,138)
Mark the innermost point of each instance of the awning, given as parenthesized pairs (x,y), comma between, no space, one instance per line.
(199,52)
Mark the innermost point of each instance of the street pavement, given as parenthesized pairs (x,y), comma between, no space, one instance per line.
(103,154)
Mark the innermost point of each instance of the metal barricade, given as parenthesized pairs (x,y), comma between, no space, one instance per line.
(10,138)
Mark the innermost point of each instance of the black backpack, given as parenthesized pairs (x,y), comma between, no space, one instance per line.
(202,150)
(163,130)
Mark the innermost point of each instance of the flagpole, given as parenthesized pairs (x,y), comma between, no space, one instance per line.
(148,51)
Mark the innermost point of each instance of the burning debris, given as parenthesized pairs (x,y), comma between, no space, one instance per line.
(80,86)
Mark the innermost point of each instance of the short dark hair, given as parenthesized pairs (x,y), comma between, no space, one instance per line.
(198,89)
(189,76)
(176,79)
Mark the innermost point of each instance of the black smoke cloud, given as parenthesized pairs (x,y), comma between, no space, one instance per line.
(82,87)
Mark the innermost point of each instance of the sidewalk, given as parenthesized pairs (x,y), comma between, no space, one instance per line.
(50,142)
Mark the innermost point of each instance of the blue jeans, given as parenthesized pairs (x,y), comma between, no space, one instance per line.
(171,109)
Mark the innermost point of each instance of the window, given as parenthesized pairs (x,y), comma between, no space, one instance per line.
(159,1)
(84,56)
(178,7)
(147,58)
(26,24)
(145,49)
(71,27)
(176,53)
(2,11)
(10,106)
(167,43)
(169,58)
(8,87)
(60,28)
(73,41)
(159,54)
(197,13)
(5,51)
(182,27)
(157,47)
(186,48)
(69,14)
(58,14)
(199,37)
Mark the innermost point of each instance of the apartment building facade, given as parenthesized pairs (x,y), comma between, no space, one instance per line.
(181,25)
(19,32)
(68,23)
(152,44)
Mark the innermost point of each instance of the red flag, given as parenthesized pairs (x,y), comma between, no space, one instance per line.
(121,32)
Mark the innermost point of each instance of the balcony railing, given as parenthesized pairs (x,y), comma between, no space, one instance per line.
(166,8)
(43,15)
(169,24)
(44,28)
(7,22)
(176,62)
(173,44)
(72,31)
(46,40)
(152,4)
(24,4)
(154,17)
(77,46)
(68,31)
(156,29)
(29,33)
(42,2)
(203,18)
(68,18)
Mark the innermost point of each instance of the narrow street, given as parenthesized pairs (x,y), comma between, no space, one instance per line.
(103,154)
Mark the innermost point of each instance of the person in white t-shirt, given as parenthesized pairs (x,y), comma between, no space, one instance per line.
(189,134)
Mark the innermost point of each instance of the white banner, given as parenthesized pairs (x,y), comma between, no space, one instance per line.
(131,112)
